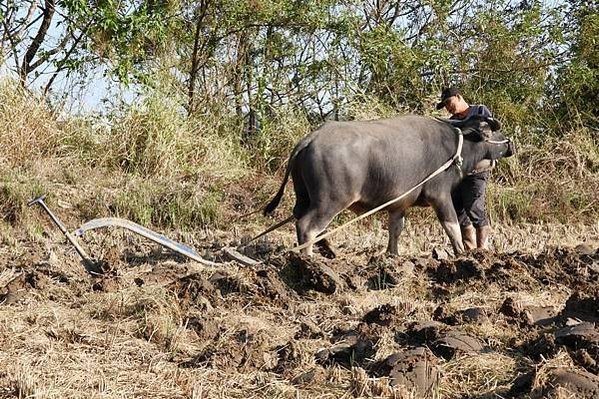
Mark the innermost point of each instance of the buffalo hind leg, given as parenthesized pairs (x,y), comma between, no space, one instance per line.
(312,223)
(449,220)
(302,198)
(325,249)
(396,225)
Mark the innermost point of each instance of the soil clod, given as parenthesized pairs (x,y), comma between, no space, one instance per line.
(350,349)
(315,275)
(450,271)
(456,342)
(384,315)
(561,382)
(415,369)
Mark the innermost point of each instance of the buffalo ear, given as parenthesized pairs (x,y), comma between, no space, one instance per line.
(494,124)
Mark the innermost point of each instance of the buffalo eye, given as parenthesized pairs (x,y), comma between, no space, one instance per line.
(485,130)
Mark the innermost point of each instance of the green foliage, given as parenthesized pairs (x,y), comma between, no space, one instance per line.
(258,57)
(129,34)
(576,90)
(158,202)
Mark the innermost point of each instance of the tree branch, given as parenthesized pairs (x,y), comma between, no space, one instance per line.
(13,45)
(65,58)
(50,53)
(203,9)
(27,20)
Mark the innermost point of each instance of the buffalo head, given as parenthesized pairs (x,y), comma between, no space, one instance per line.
(486,129)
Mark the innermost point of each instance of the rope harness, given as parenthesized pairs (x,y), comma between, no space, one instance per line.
(498,142)
(455,160)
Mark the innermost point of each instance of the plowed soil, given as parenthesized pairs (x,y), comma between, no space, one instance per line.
(485,325)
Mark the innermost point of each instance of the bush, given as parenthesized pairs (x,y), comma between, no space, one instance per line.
(30,128)
(158,202)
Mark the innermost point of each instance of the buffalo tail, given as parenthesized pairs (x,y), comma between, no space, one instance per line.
(272,205)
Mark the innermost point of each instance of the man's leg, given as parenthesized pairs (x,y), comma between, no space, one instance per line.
(474,205)
(468,231)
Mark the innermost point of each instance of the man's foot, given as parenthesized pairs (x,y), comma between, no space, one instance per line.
(469,237)
(482,237)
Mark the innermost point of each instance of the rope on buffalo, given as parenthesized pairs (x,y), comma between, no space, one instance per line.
(457,158)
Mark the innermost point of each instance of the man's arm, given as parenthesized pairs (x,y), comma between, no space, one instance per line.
(483,111)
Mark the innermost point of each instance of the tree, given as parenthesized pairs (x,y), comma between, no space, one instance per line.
(40,40)
(61,36)
(576,90)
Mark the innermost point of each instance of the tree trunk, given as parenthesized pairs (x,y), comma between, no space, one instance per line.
(195,56)
(37,41)
(240,64)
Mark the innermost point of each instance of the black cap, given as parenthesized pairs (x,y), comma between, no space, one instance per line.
(445,94)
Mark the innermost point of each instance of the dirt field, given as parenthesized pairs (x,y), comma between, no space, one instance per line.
(520,321)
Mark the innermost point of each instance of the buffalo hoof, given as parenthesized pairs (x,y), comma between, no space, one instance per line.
(325,249)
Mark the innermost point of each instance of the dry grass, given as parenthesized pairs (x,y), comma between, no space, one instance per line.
(191,179)
(271,146)
(155,139)
(152,164)
(126,349)
(554,179)
(67,340)
(30,127)
(561,361)
(475,375)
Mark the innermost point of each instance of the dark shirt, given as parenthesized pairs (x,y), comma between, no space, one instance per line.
(478,109)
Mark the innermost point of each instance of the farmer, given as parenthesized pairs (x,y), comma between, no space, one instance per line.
(469,197)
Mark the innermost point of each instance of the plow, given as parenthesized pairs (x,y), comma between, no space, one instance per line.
(93,266)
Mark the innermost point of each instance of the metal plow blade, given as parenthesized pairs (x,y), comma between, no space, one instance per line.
(144,232)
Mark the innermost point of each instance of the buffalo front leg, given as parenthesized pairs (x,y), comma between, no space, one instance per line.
(396,225)
(449,220)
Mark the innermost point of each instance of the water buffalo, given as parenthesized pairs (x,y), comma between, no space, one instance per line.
(361,165)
